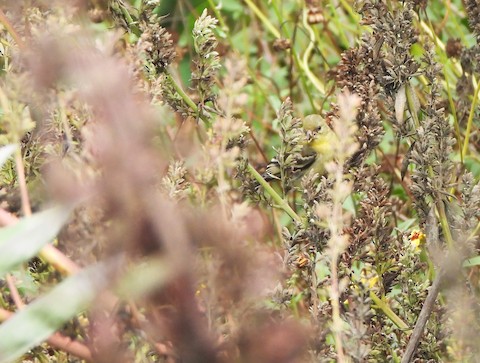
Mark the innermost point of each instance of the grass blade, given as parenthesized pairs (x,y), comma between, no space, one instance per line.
(42,318)
(5,152)
(23,240)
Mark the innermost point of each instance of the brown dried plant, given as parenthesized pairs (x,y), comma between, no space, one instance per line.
(155,131)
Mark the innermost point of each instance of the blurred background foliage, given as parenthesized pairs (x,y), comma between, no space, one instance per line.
(138,224)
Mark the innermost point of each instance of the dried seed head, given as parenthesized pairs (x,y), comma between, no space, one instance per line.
(157,44)
(454,48)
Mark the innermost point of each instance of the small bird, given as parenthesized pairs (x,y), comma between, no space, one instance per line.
(315,152)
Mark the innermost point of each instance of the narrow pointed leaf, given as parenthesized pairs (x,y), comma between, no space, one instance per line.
(413,103)
(400,101)
(23,240)
(474,261)
(35,323)
(5,152)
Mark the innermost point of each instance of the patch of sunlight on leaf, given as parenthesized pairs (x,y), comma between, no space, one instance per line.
(232,6)
(388,141)
(406,224)
(322,270)
(349,205)
(5,152)
(23,240)
(473,165)
(417,50)
(145,277)
(399,192)
(474,261)
(357,268)
(25,282)
(276,103)
(35,323)
(396,290)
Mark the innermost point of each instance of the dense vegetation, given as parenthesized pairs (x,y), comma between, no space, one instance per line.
(139,224)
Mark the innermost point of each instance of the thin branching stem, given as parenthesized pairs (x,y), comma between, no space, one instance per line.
(8,25)
(281,203)
(14,292)
(22,183)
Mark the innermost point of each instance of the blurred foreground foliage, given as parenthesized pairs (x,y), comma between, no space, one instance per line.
(137,225)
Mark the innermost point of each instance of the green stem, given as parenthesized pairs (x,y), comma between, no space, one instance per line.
(339,25)
(354,15)
(306,56)
(268,24)
(296,58)
(444,223)
(388,312)
(410,93)
(442,214)
(182,93)
(475,231)
(187,99)
(454,113)
(219,16)
(303,79)
(251,73)
(271,28)
(280,202)
(457,68)
(470,120)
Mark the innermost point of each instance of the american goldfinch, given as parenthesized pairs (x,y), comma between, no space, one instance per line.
(314,151)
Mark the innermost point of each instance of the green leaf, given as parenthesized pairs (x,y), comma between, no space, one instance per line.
(35,323)
(474,261)
(146,276)
(472,163)
(413,102)
(5,152)
(232,6)
(23,240)
(405,225)
(349,205)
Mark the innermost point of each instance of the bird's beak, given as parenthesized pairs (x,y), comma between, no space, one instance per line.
(309,135)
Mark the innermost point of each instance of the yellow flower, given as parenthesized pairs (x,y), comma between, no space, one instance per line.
(417,239)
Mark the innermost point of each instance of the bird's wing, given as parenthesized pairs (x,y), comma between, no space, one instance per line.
(296,169)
